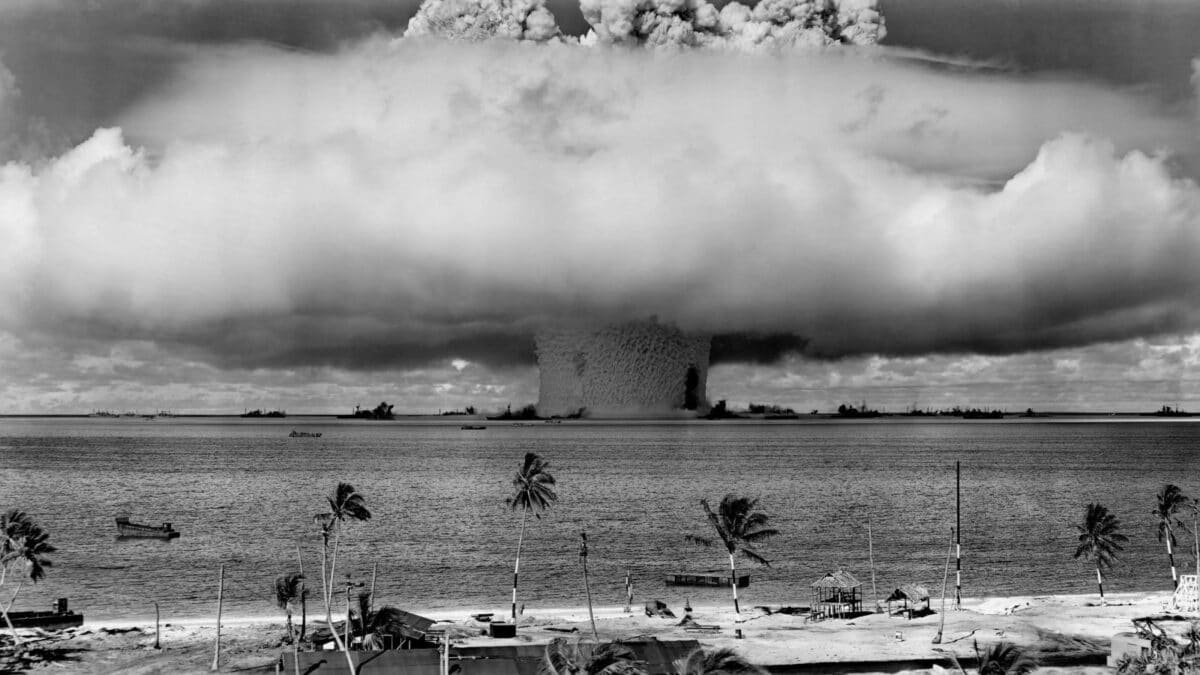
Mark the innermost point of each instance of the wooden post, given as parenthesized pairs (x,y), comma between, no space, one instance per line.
(586,586)
(937,639)
(157,644)
(220,599)
(371,597)
(871,555)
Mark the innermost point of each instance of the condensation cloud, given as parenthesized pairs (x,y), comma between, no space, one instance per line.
(407,200)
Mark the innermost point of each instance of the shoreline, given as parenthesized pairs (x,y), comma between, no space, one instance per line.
(1069,633)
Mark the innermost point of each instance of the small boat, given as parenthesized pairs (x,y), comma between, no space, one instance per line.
(304,434)
(57,618)
(473,427)
(711,578)
(128,529)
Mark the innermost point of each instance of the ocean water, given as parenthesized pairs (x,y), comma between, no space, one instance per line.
(243,494)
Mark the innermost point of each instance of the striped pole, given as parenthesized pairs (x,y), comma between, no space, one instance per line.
(957,535)
(628,592)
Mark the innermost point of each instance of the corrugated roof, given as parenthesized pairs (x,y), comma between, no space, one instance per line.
(838,579)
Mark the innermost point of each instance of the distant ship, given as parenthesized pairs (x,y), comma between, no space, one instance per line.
(261,413)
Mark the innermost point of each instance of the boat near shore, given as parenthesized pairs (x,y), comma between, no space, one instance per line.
(128,529)
(707,578)
(54,619)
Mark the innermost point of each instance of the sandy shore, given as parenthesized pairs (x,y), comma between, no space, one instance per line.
(1055,628)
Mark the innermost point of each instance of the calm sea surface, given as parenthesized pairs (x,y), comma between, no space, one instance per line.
(243,493)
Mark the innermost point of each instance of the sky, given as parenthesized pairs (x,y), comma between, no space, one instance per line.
(209,206)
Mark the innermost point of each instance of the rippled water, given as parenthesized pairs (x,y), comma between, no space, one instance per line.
(243,493)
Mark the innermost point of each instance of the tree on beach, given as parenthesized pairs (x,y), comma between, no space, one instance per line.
(1099,540)
(739,527)
(533,491)
(723,661)
(23,547)
(287,591)
(1170,501)
(346,504)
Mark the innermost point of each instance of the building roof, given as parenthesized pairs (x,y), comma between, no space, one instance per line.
(838,579)
(910,592)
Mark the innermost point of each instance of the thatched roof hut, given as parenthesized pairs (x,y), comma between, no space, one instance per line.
(911,595)
(837,594)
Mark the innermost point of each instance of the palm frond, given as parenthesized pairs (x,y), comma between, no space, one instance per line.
(753,555)
(287,589)
(723,661)
(348,504)
(1004,658)
(533,486)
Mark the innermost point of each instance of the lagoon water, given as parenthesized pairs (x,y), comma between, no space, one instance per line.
(243,494)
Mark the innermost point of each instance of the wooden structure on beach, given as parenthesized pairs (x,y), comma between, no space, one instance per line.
(128,529)
(836,595)
(911,595)
(708,578)
(1187,597)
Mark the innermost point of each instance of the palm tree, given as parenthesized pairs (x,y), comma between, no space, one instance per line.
(346,504)
(1170,501)
(287,591)
(1002,658)
(1099,540)
(584,658)
(723,661)
(22,545)
(533,491)
(739,527)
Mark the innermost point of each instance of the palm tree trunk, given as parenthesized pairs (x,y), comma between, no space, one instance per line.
(327,591)
(733,583)
(1171,557)
(1100,582)
(7,620)
(337,535)
(517,564)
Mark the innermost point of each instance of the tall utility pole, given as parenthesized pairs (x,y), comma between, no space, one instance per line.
(957,535)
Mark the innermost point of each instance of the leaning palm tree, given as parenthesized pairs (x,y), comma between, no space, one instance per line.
(723,661)
(739,527)
(1002,658)
(586,658)
(23,546)
(1171,500)
(287,591)
(533,491)
(1099,540)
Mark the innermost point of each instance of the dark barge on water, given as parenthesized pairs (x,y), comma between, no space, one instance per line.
(128,529)
(57,618)
(709,578)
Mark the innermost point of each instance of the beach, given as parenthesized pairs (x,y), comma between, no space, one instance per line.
(1066,633)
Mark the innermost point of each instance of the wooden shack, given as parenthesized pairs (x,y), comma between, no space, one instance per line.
(837,595)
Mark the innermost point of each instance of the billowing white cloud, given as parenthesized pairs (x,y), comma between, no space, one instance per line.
(766,24)
(484,19)
(410,201)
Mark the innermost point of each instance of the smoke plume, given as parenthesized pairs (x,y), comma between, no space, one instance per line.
(403,201)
